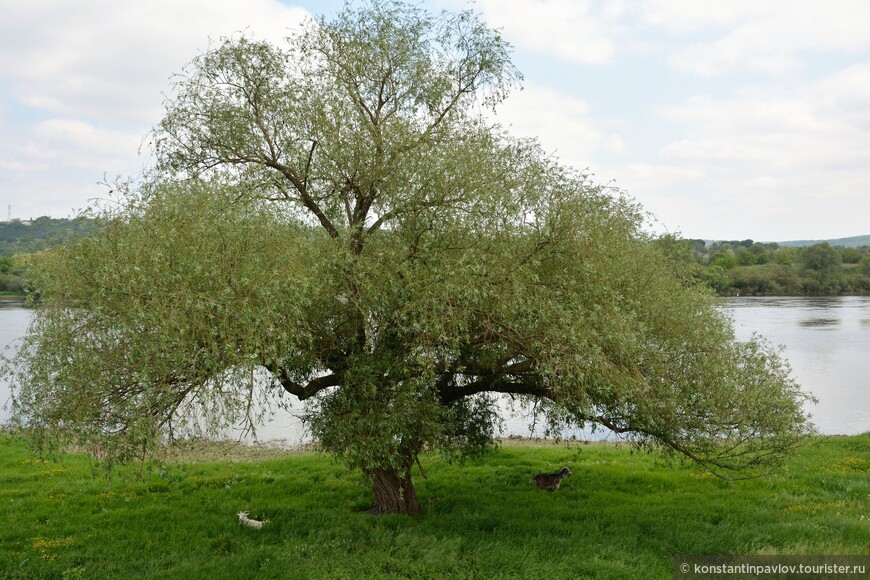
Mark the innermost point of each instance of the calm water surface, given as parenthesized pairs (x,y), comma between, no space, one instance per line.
(826,340)
(14,319)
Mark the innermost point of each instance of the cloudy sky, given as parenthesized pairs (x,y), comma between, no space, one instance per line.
(725,120)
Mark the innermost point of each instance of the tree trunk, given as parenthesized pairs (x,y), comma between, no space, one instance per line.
(394,493)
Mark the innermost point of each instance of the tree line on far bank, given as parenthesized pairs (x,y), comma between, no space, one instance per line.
(748,268)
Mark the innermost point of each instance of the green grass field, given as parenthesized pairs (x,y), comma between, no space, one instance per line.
(622,514)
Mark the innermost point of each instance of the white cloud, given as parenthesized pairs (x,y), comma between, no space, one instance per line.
(579,31)
(703,38)
(109,60)
(56,167)
(644,176)
(83,83)
(689,16)
(846,97)
(82,145)
(791,131)
(771,37)
(766,160)
(563,124)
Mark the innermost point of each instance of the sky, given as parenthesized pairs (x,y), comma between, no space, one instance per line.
(724,120)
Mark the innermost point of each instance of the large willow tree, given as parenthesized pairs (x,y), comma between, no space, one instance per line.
(337,215)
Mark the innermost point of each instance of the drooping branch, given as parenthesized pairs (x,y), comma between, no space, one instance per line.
(733,462)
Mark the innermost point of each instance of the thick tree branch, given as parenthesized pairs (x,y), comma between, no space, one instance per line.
(305,391)
(304,197)
(531,385)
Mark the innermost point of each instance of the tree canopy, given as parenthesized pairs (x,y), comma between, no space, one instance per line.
(339,214)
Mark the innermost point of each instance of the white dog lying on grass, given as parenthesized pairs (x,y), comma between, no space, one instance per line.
(244,519)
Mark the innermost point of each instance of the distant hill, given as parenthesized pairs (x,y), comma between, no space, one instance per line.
(25,237)
(852,242)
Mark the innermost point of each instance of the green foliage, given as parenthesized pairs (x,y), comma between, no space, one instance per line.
(745,257)
(785,256)
(851,255)
(630,512)
(715,277)
(11,283)
(13,271)
(724,259)
(19,241)
(156,316)
(755,254)
(822,264)
(748,268)
(335,220)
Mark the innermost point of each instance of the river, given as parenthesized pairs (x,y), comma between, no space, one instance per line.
(826,340)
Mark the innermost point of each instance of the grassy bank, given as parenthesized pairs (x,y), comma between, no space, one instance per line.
(622,515)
